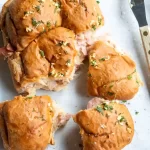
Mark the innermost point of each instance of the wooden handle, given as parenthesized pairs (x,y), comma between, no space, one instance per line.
(145,34)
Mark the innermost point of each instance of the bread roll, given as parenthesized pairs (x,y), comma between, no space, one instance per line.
(49,62)
(106,125)
(111,75)
(30,122)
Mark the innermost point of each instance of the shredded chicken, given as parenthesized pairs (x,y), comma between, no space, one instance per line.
(85,39)
(94,102)
(97,101)
(60,117)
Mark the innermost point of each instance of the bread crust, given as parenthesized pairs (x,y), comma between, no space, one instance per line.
(81,16)
(111,75)
(103,130)
(28,122)
(29,20)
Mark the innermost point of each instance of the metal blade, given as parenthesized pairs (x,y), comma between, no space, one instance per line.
(136,2)
(138,8)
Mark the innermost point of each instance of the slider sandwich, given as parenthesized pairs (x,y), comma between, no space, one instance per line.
(29,123)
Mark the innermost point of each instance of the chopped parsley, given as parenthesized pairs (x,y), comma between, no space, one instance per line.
(97,1)
(94,27)
(68,62)
(137,82)
(35,23)
(104,107)
(93,63)
(48,24)
(38,9)
(129,77)
(102,59)
(107,107)
(99,109)
(61,74)
(57,7)
(26,13)
(136,112)
(121,119)
(124,101)
(42,53)
(110,93)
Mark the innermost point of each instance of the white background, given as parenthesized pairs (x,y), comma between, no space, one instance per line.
(124,29)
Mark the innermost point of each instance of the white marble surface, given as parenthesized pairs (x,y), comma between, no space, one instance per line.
(124,30)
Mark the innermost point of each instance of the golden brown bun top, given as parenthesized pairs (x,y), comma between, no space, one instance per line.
(52,54)
(29,122)
(110,71)
(31,18)
(24,20)
(81,15)
(108,126)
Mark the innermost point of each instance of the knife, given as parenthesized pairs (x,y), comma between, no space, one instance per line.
(138,8)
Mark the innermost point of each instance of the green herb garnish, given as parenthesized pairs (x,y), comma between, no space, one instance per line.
(94,27)
(110,93)
(26,13)
(93,63)
(38,9)
(137,82)
(34,22)
(99,109)
(121,119)
(57,7)
(42,53)
(129,77)
(48,24)
(107,107)
(61,74)
(124,101)
(136,112)
(97,1)
(68,62)
(102,59)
